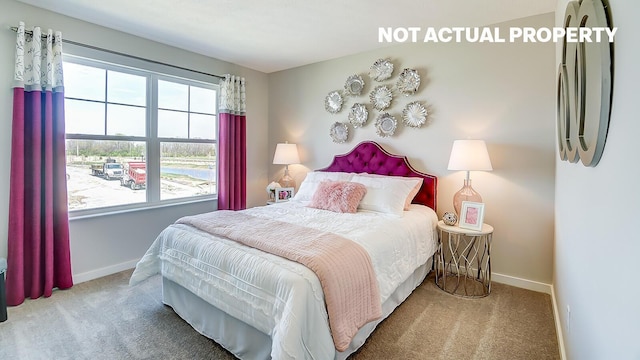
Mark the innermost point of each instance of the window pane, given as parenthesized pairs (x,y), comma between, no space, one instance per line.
(83,82)
(126,120)
(173,96)
(126,88)
(83,117)
(187,169)
(203,100)
(202,127)
(104,173)
(173,124)
(114,104)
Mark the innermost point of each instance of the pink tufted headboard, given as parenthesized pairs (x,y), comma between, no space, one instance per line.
(370,157)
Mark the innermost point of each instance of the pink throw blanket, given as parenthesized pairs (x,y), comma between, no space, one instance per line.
(342,266)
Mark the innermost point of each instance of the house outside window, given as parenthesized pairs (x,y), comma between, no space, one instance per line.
(136,138)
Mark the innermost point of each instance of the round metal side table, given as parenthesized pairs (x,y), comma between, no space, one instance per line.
(463,260)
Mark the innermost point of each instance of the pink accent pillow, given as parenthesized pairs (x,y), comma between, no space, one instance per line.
(338,196)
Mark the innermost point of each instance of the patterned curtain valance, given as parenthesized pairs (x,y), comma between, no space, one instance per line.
(232,95)
(41,69)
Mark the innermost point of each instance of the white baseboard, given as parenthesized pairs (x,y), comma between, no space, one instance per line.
(98,273)
(556,316)
(539,287)
(522,283)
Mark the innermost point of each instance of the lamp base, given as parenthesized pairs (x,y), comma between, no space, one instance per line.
(465,194)
(286,180)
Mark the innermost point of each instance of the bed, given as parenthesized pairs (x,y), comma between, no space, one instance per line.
(259,305)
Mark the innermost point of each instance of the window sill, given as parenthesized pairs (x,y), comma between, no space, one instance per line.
(79,215)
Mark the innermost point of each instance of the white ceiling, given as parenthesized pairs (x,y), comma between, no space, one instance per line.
(273,35)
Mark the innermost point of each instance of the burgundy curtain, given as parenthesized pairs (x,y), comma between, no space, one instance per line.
(38,243)
(232,145)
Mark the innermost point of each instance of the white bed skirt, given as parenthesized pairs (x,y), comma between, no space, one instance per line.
(248,343)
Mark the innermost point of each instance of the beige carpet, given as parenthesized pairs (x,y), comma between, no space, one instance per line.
(107,319)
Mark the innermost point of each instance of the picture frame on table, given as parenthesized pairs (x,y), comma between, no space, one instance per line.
(284,194)
(471,215)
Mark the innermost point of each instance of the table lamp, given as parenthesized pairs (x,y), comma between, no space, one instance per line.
(468,155)
(286,154)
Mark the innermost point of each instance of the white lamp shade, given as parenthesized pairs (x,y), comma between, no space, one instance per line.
(469,155)
(286,154)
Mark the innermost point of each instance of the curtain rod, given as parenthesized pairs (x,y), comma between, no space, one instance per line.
(29,32)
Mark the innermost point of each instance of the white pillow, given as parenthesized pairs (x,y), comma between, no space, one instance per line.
(387,194)
(310,183)
(417,180)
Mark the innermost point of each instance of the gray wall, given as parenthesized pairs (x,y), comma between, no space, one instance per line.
(503,93)
(94,251)
(597,242)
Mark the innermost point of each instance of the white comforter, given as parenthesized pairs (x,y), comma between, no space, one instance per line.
(279,297)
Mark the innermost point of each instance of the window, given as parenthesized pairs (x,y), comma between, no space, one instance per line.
(136,137)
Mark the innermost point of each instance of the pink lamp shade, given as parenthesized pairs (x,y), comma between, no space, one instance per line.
(286,154)
(468,155)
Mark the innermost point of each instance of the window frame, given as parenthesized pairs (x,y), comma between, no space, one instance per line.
(153,72)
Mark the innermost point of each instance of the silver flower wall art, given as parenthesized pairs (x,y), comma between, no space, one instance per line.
(382,98)
(358,115)
(414,115)
(339,132)
(408,82)
(381,70)
(386,125)
(354,85)
(333,102)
